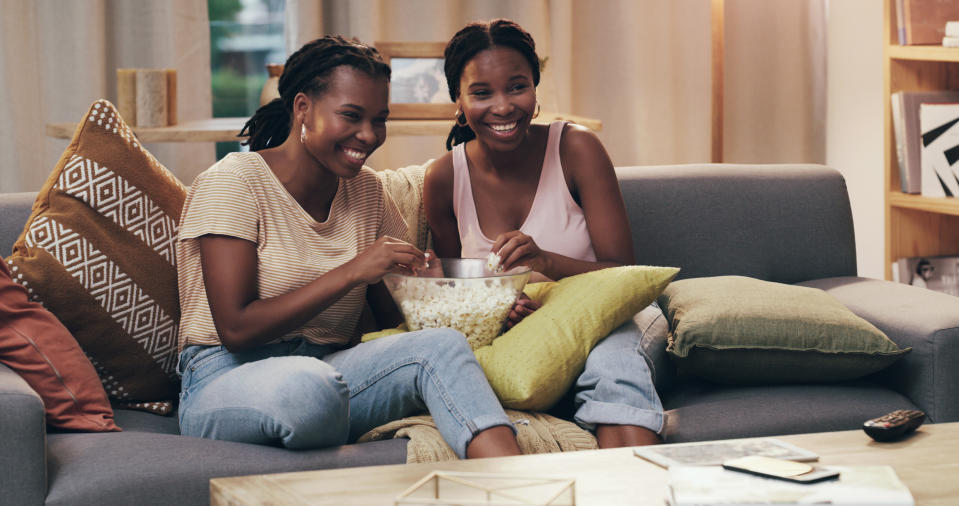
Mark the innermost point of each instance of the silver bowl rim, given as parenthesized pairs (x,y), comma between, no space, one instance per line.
(515,271)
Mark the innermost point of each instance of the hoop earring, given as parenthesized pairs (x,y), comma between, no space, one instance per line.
(460,116)
(536,113)
(303,133)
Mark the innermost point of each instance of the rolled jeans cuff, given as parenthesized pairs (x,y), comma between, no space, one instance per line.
(474,427)
(593,413)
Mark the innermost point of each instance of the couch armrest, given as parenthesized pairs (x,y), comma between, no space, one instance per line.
(23,459)
(914,317)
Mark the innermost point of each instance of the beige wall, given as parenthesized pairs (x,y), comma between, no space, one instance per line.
(854,129)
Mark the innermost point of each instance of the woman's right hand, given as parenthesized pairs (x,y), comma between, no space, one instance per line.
(386,255)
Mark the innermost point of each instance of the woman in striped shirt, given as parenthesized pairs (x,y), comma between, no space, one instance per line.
(278,250)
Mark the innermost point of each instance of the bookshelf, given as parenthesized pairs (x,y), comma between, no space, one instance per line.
(915,225)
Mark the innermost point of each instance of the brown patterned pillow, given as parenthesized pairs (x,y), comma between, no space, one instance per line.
(98,252)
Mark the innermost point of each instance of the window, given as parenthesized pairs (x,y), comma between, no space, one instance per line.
(245,35)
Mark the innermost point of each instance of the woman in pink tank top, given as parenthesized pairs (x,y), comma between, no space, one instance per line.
(544,196)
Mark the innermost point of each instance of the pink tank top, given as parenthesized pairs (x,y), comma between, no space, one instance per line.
(555,221)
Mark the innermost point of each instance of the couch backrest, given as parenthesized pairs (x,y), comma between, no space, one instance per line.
(785,223)
(14,211)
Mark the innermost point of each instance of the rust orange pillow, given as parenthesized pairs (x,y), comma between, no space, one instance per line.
(98,252)
(41,350)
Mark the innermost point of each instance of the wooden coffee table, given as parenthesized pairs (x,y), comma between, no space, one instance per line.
(927,462)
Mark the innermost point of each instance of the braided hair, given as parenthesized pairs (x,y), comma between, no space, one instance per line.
(308,70)
(475,38)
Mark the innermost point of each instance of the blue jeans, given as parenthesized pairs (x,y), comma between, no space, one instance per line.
(302,395)
(616,387)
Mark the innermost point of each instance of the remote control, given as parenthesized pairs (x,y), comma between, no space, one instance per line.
(894,425)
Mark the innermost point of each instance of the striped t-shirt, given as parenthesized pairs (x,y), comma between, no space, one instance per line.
(239,196)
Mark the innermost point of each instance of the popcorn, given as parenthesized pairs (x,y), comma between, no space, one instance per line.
(493,262)
(476,307)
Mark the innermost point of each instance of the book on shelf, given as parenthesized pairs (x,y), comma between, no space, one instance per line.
(924,21)
(906,132)
(952,28)
(940,133)
(859,485)
(939,273)
(948,41)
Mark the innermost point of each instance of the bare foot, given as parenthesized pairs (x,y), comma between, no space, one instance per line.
(615,436)
(496,441)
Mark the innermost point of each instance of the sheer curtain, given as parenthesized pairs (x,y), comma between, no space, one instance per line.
(57,57)
(641,66)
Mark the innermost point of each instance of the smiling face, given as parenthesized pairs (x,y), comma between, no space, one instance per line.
(347,122)
(498,97)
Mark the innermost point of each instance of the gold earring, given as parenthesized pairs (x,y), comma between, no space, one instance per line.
(536,113)
(303,133)
(460,116)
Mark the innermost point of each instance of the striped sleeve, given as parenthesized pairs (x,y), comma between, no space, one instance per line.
(393,223)
(219,202)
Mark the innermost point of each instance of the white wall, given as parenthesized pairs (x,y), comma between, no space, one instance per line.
(854,120)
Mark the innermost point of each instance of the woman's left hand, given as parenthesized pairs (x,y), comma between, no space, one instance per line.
(524,307)
(516,248)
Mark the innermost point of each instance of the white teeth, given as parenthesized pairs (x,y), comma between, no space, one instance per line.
(352,153)
(503,127)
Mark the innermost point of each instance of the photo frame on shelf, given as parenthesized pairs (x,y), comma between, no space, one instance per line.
(418,86)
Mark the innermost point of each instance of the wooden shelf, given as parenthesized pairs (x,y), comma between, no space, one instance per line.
(938,205)
(226,129)
(923,53)
(915,225)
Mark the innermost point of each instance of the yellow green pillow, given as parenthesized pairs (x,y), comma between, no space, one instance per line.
(534,363)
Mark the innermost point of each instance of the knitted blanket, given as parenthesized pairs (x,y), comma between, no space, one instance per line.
(405,186)
(536,433)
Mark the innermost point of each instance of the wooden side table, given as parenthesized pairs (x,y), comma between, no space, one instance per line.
(226,129)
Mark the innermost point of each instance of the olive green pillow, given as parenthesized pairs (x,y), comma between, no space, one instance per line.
(534,363)
(734,329)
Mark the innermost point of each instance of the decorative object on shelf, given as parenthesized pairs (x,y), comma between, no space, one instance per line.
(940,137)
(148,97)
(271,86)
(151,97)
(466,488)
(939,273)
(418,85)
(905,125)
(924,21)
(127,94)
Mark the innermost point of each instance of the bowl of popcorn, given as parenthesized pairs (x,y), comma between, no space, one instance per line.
(467,295)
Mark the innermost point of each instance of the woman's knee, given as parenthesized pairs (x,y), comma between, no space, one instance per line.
(439,344)
(301,402)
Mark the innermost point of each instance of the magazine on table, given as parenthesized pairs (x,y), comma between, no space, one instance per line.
(857,485)
(714,453)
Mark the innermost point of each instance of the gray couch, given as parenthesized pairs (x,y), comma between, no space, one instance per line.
(784,223)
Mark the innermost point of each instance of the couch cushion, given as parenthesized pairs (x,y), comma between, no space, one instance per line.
(142,421)
(42,351)
(697,410)
(98,252)
(162,469)
(735,329)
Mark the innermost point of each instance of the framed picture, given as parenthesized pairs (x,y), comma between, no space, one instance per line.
(418,85)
